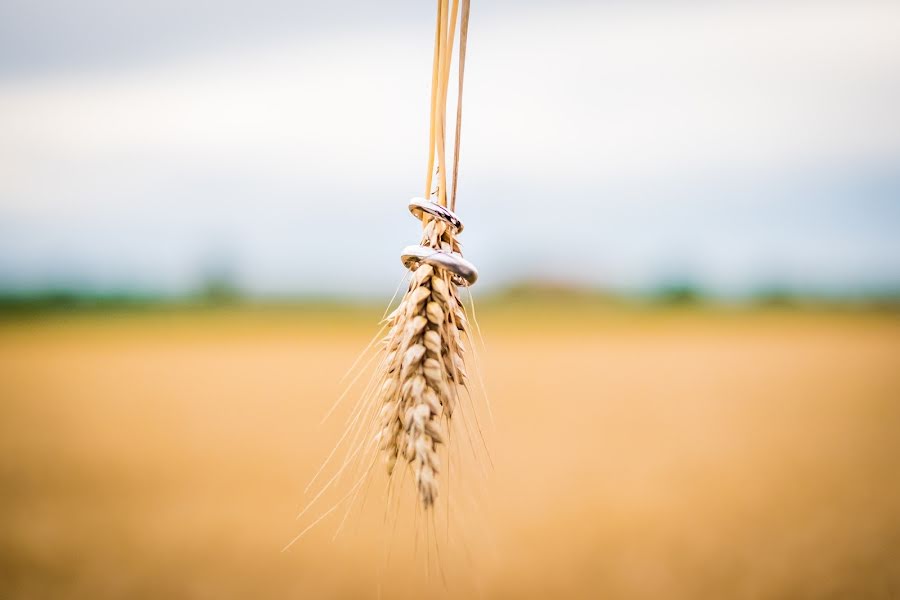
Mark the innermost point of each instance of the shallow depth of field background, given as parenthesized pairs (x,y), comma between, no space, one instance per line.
(685,215)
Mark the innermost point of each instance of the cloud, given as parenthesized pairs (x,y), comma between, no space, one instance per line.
(622,134)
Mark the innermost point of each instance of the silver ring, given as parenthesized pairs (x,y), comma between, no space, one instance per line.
(464,273)
(419,206)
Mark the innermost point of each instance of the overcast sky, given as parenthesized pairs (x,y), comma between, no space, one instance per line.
(735,144)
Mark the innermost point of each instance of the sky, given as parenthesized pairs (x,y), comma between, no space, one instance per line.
(145,146)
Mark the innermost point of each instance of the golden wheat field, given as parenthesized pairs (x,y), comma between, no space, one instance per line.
(637,453)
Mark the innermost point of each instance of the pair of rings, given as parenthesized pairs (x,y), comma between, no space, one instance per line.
(462,271)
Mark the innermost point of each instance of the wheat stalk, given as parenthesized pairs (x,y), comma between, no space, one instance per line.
(424,368)
(415,390)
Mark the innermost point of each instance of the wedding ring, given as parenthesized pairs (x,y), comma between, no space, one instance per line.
(464,273)
(420,206)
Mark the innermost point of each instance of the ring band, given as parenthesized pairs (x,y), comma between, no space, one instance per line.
(419,206)
(464,273)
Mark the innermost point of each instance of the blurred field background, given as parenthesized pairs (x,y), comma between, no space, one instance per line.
(685,215)
(640,452)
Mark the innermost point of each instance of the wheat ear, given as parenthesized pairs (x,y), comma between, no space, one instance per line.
(424,368)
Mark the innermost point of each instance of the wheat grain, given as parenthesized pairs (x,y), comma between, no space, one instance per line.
(424,368)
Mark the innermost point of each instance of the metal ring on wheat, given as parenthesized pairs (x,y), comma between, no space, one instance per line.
(420,206)
(462,271)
